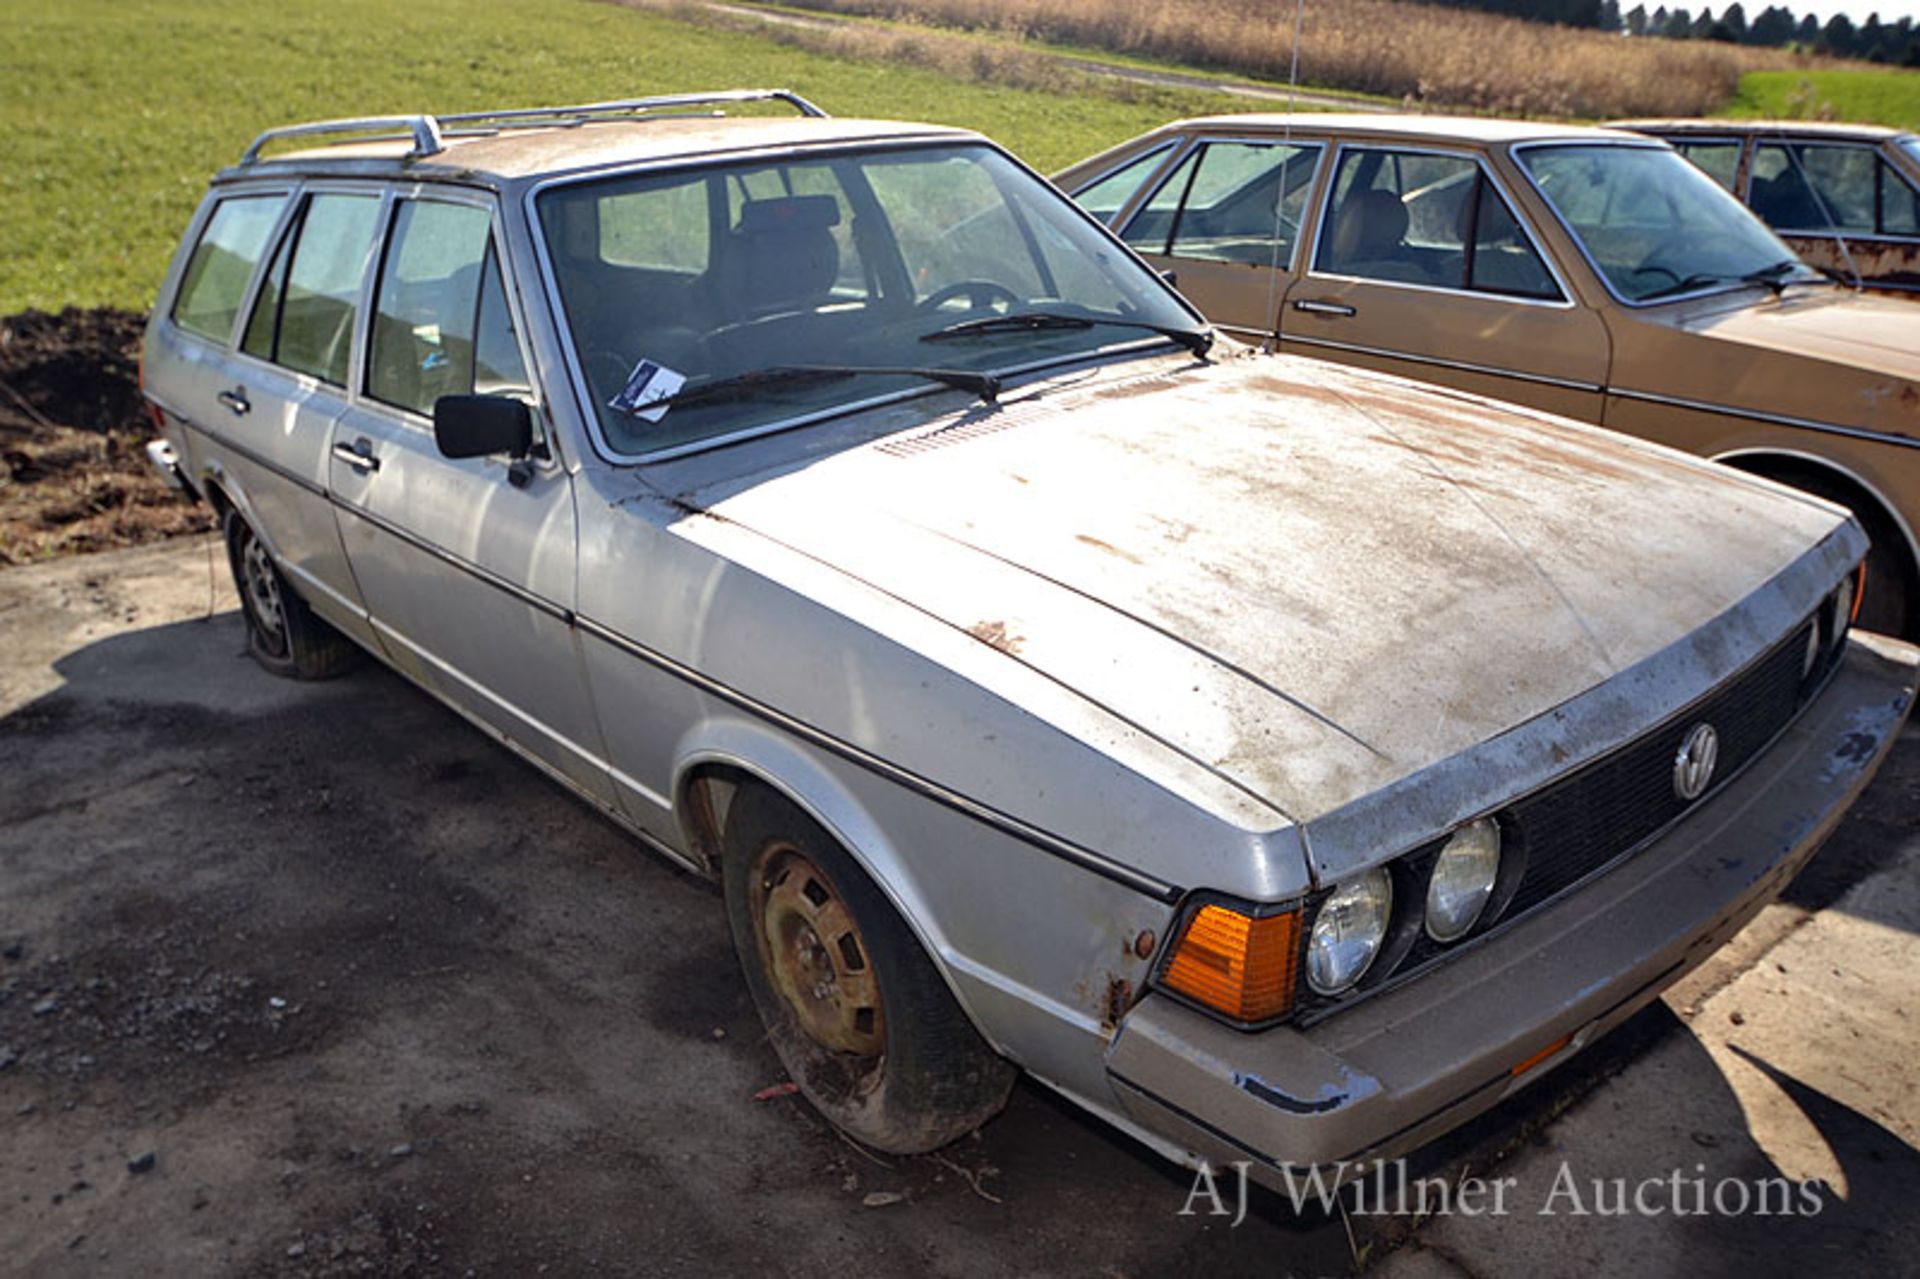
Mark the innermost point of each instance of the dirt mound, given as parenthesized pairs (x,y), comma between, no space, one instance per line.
(78,368)
(73,472)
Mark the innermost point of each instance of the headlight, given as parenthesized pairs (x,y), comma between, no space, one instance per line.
(1462,880)
(1842,616)
(1347,932)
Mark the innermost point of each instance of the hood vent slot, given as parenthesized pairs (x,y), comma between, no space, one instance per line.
(991,423)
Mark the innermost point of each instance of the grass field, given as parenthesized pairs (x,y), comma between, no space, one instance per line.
(115,112)
(1879,97)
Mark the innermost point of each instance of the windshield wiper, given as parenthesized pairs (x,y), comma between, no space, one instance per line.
(744,386)
(1198,341)
(1688,285)
(1775,276)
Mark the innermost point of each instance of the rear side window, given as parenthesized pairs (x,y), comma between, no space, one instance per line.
(222,263)
(1241,203)
(441,324)
(1105,197)
(303,316)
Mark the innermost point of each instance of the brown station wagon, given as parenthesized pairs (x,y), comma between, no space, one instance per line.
(1588,272)
(1845,197)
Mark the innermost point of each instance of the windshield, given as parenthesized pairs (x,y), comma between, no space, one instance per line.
(1653,224)
(871,263)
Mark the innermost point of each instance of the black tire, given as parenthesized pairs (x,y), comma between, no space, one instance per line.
(283,634)
(879,1047)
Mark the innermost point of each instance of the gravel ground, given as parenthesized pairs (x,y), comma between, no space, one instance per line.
(314,979)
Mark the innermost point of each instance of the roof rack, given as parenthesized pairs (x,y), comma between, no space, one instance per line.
(429,131)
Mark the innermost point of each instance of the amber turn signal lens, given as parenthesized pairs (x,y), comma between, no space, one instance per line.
(1240,965)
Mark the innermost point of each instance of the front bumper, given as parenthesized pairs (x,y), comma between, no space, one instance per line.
(1397,1070)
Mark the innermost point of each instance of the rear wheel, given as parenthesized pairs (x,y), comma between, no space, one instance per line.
(855,1009)
(283,634)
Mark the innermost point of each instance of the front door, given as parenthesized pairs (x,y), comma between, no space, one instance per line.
(467,566)
(1226,224)
(1420,267)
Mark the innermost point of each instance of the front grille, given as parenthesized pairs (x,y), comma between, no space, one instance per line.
(1587,819)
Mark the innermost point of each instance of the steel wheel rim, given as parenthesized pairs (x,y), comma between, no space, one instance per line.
(263,592)
(815,957)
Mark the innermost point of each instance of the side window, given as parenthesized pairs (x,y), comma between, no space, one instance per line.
(1151,226)
(1244,203)
(1814,188)
(1844,177)
(303,317)
(222,263)
(440,321)
(1500,260)
(1899,203)
(1105,197)
(1418,218)
(1718,159)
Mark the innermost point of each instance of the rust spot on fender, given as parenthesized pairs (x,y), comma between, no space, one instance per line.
(996,635)
(1118,999)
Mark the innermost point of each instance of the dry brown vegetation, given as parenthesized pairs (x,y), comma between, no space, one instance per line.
(1426,56)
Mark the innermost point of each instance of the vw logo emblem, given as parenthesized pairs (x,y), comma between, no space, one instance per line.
(1693,766)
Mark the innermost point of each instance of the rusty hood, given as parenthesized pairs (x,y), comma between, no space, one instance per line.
(1311,581)
(1822,354)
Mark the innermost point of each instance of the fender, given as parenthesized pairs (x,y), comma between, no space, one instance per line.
(1733,457)
(808,780)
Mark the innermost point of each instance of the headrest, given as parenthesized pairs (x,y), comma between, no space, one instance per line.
(792,213)
(1371,223)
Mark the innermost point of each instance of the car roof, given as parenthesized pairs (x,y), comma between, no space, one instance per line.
(509,154)
(1483,130)
(1809,128)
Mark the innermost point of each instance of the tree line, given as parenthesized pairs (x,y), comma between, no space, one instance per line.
(1776,27)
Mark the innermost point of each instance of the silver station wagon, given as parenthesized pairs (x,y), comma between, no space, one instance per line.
(1283,762)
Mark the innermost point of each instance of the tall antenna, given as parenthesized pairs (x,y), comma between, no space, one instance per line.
(1280,193)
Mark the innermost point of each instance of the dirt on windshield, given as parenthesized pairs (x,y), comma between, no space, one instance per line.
(73,468)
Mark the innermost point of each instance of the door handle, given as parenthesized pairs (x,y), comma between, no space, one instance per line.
(359,455)
(236,399)
(1313,306)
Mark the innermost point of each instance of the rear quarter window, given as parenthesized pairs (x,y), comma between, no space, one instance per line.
(222,263)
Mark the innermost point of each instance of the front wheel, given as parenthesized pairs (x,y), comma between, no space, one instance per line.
(283,635)
(855,1009)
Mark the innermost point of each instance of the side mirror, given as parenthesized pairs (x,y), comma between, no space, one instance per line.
(482,425)
(1171,277)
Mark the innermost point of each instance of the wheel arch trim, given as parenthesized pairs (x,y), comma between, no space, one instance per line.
(1734,457)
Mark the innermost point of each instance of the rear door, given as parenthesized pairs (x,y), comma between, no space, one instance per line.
(467,566)
(286,383)
(1225,222)
(1420,266)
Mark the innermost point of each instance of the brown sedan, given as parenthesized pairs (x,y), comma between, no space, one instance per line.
(1588,272)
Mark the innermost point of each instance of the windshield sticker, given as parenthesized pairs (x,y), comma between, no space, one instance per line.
(647,384)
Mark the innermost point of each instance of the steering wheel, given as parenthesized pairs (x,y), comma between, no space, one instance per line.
(981,295)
